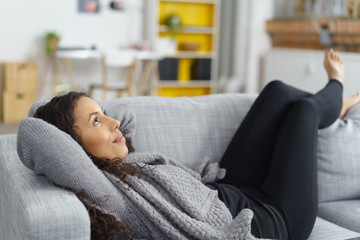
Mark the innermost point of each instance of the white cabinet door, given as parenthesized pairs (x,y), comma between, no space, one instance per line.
(304,69)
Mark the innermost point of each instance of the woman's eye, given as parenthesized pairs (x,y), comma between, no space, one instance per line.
(96,121)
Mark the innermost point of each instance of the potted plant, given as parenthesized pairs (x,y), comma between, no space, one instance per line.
(169,44)
(51,42)
(173,24)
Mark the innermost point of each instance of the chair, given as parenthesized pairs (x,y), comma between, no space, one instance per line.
(124,60)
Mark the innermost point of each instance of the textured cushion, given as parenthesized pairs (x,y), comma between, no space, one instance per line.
(339,159)
(344,213)
(114,109)
(51,152)
(61,159)
(324,230)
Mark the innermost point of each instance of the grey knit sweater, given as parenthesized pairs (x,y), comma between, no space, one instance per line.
(169,201)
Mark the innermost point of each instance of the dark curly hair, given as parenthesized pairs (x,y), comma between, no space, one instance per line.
(60,113)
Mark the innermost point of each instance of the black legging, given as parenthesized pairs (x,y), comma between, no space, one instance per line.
(274,149)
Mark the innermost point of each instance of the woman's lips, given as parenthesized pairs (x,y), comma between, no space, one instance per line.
(120,138)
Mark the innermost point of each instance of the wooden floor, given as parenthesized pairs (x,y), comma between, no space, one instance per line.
(8,128)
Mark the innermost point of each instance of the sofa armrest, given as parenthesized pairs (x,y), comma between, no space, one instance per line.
(33,208)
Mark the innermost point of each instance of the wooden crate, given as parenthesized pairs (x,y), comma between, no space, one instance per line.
(16,105)
(19,77)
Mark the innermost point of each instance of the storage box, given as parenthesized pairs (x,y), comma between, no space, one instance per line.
(19,77)
(15,106)
(201,69)
(168,69)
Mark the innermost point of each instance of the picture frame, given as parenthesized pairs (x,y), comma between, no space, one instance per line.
(88,6)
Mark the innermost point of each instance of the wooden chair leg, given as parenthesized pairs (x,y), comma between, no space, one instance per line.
(130,91)
(56,81)
(144,84)
(50,62)
(103,92)
(130,78)
(70,74)
(103,78)
(157,79)
(90,90)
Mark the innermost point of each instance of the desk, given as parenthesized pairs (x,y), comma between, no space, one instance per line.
(62,60)
(147,83)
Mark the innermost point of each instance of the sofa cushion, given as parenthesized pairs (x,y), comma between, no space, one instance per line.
(339,158)
(33,208)
(343,213)
(325,230)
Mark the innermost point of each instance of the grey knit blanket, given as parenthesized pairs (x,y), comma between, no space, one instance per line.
(169,201)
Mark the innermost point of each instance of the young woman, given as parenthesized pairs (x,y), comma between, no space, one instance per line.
(270,162)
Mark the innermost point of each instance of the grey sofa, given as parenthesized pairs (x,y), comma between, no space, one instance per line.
(187,129)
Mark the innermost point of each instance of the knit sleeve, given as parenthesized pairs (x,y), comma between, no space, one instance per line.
(51,152)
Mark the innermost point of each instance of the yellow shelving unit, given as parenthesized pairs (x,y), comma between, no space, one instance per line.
(199,24)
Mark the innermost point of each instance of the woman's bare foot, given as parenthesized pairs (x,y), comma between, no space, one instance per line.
(349,102)
(334,66)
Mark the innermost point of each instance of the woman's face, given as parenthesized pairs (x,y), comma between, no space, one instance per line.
(99,134)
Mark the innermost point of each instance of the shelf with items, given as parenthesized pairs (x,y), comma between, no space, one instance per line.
(342,34)
(190,54)
(191,29)
(192,1)
(186,84)
(184,88)
(195,52)
(191,13)
(185,70)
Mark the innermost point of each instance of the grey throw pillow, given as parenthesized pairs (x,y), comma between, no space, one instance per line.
(339,158)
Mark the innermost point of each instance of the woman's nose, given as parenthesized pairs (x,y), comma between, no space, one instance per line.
(113,124)
(116,124)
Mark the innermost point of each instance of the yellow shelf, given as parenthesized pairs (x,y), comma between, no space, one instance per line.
(184,92)
(191,14)
(205,40)
(185,84)
(191,54)
(191,29)
(198,25)
(192,1)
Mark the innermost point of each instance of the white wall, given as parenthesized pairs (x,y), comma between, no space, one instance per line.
(259,42)
(23,24)
(243,42)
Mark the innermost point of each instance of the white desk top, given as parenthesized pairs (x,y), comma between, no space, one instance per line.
(79,54)
(90,53)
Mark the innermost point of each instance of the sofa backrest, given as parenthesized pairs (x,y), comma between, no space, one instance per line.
(187,129)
